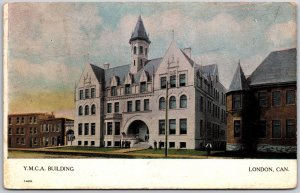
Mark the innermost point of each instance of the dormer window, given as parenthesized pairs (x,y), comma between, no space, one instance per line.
(143,87)
(127,89)
(113,91)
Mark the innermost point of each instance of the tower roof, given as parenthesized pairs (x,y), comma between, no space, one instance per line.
(239,81)
(139,32)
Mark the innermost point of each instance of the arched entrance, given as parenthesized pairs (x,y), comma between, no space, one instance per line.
(139,130)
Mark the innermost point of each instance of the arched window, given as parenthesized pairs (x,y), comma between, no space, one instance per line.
(93,109)
(172,102)
(86,110)
(134,50)
(183,101)
(80,110)
(162,103)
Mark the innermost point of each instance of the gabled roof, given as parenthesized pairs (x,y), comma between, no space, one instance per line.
(99,72)
(188,58)
(239,81)
(139,32)
(278,67)
(211,69)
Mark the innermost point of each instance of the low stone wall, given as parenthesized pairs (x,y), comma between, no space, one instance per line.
(276,148)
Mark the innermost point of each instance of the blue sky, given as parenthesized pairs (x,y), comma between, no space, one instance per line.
(50,43)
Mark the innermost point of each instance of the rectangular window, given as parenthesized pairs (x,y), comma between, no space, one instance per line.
(143,87)
(116,107)
(93,128)
(127,89)
(22,140)
(109,128)
(86,143)
(290,97)
(34,119)
(172,126)
(129,106)
(23,131)
(262,98)
(183,126)
(236,101)
(171,144)
(290,128)
(113,91)
(201,104)
(173,81)
(9,120)
(93,93)
(80,129)
(237,128)
(18,140)
(108,144)
(262,129)
(161,127)
(182,80)
(109,108)
(117,128)
(276,129)
(22,120)
(276,98)
(183,145)
(18,120)
(146,104)
(163,82)
(92,143)
(141,50)
(79,142)
(87,93)
(9,131)
(35,130)
(81,94)
(86,129)
(31,130)
(137,105)
(117,144)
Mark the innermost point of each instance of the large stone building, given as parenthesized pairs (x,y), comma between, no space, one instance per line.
(128,102)
(262,109)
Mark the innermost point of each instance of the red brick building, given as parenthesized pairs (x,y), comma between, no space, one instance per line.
(261,110)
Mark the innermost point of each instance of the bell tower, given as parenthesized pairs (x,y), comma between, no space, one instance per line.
(139,42)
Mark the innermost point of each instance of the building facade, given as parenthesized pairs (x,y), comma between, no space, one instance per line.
(35,130)
(262,109)
(128,102)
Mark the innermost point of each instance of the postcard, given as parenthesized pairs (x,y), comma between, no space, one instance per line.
(150,95)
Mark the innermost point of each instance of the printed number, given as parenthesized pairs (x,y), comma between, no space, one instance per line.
(27,181)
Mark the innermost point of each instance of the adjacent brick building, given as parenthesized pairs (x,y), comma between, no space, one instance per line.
(262,109)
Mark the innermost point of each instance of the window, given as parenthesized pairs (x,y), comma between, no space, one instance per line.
(35,141)
(93,128)
(9,120)
(173,81)
(92,143)
(93,94)
(172,126)
(35,130)
(137,105)
(276,129)
(276,98)
(183,101)
(127,89)
(171,144)
(87,93)
(146,51)
(236,101)
(161,127)
(262,98)
(93,109)
(18,140)
(86,143)
(237,128)
(79,142)
(182,144)
(146,104)
(262,129)
(86,129)
(201,104)
(117,144)
(162,103)
(183,126)
(18,120)
(141,50)
(290,97)
(117,128)
(109,108)
(52,141)
(80,129)
(108,143)
(22,120)
(143,87)
(22,140)
(23,131)
(30,130)
(129,106)
(86,110)
(81,94)
(113,91)
(182,80)
(9,131)
(116,107)
(163,82)
(172,102)
(290,128)
(109,128)
(34,119)
(134,50)
(80,110)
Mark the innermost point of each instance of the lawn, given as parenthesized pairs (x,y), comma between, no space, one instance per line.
(86,148)
(177,152)
(35,155)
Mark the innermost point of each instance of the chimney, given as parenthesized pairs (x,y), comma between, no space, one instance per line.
(106,65)
(188,52)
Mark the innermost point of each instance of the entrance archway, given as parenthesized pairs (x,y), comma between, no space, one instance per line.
(139,130)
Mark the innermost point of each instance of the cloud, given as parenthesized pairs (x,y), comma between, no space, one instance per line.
(283,33)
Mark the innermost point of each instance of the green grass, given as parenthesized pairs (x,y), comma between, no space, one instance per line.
(36,155)
(86,148)
(176,152)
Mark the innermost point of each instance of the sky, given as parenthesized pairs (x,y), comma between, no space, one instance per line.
(49,43)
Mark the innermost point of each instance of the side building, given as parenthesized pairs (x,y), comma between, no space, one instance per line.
(262,109)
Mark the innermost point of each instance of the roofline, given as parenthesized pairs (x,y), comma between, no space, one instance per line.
(26,114)
(273,84)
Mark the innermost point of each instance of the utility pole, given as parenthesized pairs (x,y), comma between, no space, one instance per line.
(166,121)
